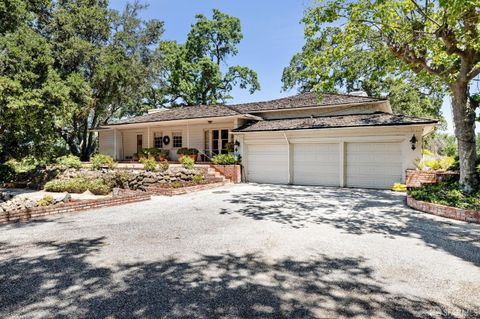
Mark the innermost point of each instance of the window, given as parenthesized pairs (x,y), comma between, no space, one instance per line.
(158,141)
(177,139)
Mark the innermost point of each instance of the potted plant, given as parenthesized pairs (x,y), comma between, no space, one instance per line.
(162,154)
(190,152)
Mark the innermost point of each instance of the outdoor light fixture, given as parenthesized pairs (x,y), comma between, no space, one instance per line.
(237,143)
(413,141)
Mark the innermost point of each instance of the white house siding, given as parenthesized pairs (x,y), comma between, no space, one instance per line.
(393,161)
(107,142)
(322,111)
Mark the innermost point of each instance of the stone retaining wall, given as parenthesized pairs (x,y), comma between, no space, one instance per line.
(444,211)
(73,206)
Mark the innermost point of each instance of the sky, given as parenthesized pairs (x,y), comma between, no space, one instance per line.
(272,34)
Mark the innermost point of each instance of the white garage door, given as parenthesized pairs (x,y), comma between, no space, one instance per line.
(373,165)
(267,163)
(316,164)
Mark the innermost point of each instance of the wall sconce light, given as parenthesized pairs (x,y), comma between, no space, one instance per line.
(237,143)
(413,141)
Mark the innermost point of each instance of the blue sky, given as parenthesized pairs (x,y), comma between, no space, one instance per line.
(272,35)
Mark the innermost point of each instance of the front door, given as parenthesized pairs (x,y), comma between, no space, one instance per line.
(139,143)
(219,141)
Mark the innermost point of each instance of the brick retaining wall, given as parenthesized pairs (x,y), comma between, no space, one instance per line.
(444,211)
(415,178)
(182,190)
(231,172)
(73,206)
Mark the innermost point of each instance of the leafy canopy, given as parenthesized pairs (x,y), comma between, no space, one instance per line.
(196,72)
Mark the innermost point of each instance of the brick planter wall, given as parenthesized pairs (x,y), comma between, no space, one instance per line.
(73,206)
(444,211)
(232,172)
(416,178)
(182,190)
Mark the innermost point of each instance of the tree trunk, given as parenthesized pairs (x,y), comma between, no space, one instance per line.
(464,119)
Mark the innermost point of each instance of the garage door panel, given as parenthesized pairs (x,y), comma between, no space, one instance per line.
(316,164)
(267,163)
(373,165)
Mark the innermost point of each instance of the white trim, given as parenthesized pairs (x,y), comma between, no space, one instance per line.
(289,160)
(341,164)
(115,144)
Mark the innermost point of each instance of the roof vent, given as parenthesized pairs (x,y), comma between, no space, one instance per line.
(151,111)
(358,93)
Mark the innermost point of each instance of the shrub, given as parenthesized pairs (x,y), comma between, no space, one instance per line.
(446,162)
(7,173)
(149,164)
(446,193)
(176,184)
(69,161)
(224,159)
(79,185)
(101,160)
(187,151)
(45,201)
(24,165)
(427,152)
(164,166)
(99,187)
(187,162)
(198,179)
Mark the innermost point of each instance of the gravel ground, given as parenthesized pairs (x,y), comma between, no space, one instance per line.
(244,251)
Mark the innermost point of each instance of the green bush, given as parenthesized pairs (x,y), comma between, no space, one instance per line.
(164,166)
(176,184)
(7,173)
(187,151)
(427,152)
(101,160)
(69,161)
(45,201)
(187,162)
(198,179)
(79,185)
(224,159)
(149,164)
(24,165)
(446,162)
(446,193)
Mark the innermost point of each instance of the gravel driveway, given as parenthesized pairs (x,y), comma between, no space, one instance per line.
(244,251)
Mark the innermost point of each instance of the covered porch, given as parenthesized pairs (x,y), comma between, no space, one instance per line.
(209,136)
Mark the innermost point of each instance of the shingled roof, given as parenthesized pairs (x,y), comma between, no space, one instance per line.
(338,121)
(303,100)
(180,113)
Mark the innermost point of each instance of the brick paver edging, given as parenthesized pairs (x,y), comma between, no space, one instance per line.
(183,190)
(444,211)
(74,206)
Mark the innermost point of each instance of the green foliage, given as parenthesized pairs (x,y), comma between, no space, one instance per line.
(187,162)
(446,162)
(45,201)
(26,164)
(149,164)
(224,159)
(176,184)
(79,185)
(446,193)
(187,151)
(439,163)
(7,173)
(69,161)
(198,179)
(427,152)
(193,72)
(164,166)
(442,144)
(100,161)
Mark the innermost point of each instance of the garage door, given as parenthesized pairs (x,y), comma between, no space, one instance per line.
(316,164)
(267,163)
(373,165)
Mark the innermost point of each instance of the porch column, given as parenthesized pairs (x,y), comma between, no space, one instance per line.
(188,136)
(148,137)
(115,144)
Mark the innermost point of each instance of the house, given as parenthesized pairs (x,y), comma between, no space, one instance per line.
(329,140)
